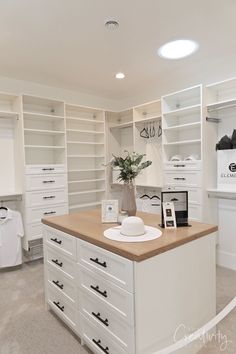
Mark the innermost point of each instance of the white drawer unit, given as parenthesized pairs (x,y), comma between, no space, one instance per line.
(35,215)
(195,212)
(50,181)
(61,242)
(110,266)
(108,321)
(61,282)
(182,165)
(60,262)
(183,178)
(62,306)
(99,341)
(118,299)
(44,169)
(39,198)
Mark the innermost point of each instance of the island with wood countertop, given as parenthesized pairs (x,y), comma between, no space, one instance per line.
(129,298)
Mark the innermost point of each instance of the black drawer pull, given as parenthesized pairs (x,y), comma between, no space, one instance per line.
(57,263)
(104,264)
(49,212)
(97,315)
(96,288)
(58,305)
(48,169)
(179,165)
(50,197)
(98,343)
(51,181)
(61,286)
(56,240)
(180,178)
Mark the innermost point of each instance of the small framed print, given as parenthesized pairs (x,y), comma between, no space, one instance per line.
(169,215)
(110,211)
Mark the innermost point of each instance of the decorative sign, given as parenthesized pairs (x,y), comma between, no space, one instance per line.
(180,201)
(110,211)
(169,215)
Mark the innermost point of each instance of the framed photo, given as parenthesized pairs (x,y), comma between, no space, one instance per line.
(180,201)
(110,211)
(169,215)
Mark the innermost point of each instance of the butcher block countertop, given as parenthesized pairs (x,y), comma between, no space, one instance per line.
(87,226)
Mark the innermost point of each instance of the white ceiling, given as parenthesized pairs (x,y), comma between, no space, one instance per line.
(64,43)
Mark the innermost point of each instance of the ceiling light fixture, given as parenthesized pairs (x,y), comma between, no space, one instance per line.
(120,75)
(112,25)
(178,49)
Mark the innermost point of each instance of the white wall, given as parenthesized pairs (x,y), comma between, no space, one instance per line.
(19,86)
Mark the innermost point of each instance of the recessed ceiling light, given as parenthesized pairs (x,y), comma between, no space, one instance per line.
(120,75)
(112,25)
(178,49)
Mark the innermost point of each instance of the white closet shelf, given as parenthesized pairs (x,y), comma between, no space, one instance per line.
(221,104)
(221,193)
(182,111)
(77,206)
(85,120)
(122,125)
(84,142)
(90,156)
(84,131)
(43,132)
(8,114)
(88,170)
(148,119)
(87,180)
(184,142)
(87,192)
(33,115)
(44,147)
(183,126)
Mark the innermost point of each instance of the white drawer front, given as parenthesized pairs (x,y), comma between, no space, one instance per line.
(44,169)
(35,215)
(34,231)
(112,295)
(108,321)
(38,198)
(109,265)
(194,194)
(195,212)
(97,340)
(61,282)
(62,306)
(182,178)
(62,242)
(60,262)
(182,165)
(34,182)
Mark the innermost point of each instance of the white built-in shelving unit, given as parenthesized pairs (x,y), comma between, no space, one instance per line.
(45,186)
(85,128)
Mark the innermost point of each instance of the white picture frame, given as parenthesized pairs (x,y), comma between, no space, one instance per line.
(110,211)
(169,215)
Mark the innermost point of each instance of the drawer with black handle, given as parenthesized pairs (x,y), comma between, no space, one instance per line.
(62,242)
(60,262)
(44,198)
(107,264)
(36,214)
(116,298)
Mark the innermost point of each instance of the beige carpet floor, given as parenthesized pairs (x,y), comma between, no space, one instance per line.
(27,328)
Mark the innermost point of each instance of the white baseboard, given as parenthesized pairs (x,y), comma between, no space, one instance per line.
(226,259)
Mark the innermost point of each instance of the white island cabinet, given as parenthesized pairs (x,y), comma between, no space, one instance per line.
(133,298)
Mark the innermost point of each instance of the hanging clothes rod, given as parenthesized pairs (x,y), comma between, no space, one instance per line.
(213,120)
(221,197)
(17,199)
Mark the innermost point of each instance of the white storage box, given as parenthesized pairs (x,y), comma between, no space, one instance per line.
(226,169)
